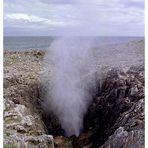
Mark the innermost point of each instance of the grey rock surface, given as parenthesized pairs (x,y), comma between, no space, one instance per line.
(23,127)
(115,118)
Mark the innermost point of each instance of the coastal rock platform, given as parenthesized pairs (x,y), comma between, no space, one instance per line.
(115,117)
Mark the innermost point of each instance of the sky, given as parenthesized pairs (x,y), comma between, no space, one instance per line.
(74,17)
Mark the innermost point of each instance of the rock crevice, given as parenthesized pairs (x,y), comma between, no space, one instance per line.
(115,117)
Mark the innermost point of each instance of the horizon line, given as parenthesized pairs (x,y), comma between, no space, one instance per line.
(74,36)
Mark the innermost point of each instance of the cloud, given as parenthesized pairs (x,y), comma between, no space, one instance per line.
(17,16)
(25,18)
(111,17)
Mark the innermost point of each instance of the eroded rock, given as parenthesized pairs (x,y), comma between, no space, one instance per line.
(23,127)
(114,119)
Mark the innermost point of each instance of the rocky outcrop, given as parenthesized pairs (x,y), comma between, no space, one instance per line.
(128,129)
(114,119)
(23,127)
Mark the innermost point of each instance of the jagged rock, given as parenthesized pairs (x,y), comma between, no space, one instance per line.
(21,110)
(28,121)
(124,139)
(63,142)
(41,141)
(118,110)
(20,129)
(9,114)
(114,119)
(23,127)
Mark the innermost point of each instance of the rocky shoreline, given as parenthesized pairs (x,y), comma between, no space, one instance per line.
(114,119)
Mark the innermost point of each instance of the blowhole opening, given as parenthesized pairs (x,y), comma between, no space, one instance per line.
(113,97)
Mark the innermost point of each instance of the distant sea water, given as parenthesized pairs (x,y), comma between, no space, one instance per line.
(43,42)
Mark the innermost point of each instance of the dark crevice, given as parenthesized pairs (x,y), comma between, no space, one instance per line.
(112,98)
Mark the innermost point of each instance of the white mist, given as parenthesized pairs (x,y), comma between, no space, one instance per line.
(69,93)
(72,78)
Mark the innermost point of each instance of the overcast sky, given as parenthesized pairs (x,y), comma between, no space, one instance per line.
(74,17)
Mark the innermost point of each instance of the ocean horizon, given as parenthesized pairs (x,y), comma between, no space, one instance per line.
(16,43)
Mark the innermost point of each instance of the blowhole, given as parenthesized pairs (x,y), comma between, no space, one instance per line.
(108,103)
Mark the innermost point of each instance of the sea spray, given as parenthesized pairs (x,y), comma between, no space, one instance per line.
(69,94)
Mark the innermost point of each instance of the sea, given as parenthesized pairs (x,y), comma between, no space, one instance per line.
(20,43)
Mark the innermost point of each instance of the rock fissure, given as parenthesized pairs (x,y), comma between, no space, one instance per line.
(115,117)
(111,109)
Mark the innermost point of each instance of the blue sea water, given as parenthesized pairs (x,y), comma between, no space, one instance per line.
(44,42)
(27,42)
